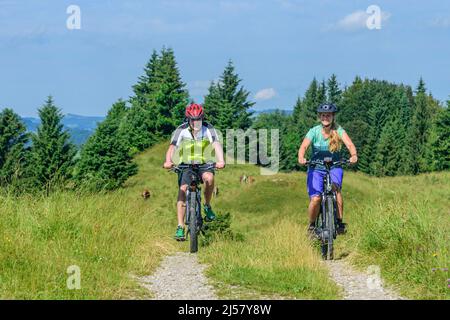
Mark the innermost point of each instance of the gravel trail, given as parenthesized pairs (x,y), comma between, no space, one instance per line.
(357,285)
(179,277)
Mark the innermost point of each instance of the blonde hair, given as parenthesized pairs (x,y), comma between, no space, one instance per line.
(335,140)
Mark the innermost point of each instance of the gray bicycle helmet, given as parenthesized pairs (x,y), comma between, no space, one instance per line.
(327,107)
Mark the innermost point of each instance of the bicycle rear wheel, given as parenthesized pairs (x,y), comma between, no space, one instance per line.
(193,232)
(330,227)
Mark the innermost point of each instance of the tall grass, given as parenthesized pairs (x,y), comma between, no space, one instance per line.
(108,236)
(401,224)
(276,258)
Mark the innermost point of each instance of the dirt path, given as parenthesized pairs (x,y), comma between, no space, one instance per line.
(179,277)
(357,285)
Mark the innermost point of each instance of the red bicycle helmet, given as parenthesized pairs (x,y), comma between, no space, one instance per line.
(194,112)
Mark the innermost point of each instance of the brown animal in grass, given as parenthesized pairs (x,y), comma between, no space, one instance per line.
(243,179)
(250,180)
(145,194)
(216,191)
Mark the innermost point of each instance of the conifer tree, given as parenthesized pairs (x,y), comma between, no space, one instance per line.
(419,131)
(52,152)
(308,107)
(441,142)
(321,94)
(226,104)
(376,120)
(334,92)
(105,162)
(170,94)
(389,150)
(13,138)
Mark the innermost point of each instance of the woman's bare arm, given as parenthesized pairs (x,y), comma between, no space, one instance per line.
(351,147)
(302,150)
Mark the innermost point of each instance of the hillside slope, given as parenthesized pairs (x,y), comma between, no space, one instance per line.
(115,235)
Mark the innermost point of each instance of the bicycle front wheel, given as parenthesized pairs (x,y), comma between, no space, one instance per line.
(193,232)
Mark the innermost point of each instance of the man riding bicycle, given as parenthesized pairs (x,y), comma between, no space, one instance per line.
(192,140)
(326,139)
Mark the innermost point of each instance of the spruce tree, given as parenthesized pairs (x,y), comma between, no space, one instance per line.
(376,120)
(334,92)
(441,142)
(226,104)
(389,150)
(52,152)
(419,131)
(145,85)
(355,103)
(170,94)
(321,94)
(289,145)
(158,104)
(138,127)
(308,109)
(13,154)
(105,162)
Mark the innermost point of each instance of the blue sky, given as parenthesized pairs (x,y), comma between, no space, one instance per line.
(277,46)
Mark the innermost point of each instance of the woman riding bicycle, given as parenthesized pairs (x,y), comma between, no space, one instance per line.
(326,139)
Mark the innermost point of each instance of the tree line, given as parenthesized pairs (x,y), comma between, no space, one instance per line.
(397,130)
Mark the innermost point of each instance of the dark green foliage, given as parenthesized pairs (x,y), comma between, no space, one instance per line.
(305,114)
(441,140)
(220,228)
(138,127)
(226,104)
(334,92)
(277,120)
(52,153)
(170,95)
(13,153)
(395,130)
(105,162)
(158,104)
(388,151)
(419,132)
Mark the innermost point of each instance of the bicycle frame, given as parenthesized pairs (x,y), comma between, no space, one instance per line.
(326,221)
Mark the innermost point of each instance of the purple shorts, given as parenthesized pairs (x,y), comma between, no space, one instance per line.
(315,180)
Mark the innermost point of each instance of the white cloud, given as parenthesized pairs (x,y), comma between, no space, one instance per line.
(356,20)
(441,22)
(265,94)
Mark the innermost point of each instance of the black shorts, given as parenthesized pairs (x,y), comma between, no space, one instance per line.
(185,177)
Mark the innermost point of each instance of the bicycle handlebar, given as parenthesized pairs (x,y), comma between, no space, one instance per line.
(333,163)
(181,167)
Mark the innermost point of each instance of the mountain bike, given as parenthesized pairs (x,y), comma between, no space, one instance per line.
(193,218)
(326,222)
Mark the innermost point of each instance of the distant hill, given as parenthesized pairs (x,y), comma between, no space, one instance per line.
(79,127)
(258,112)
